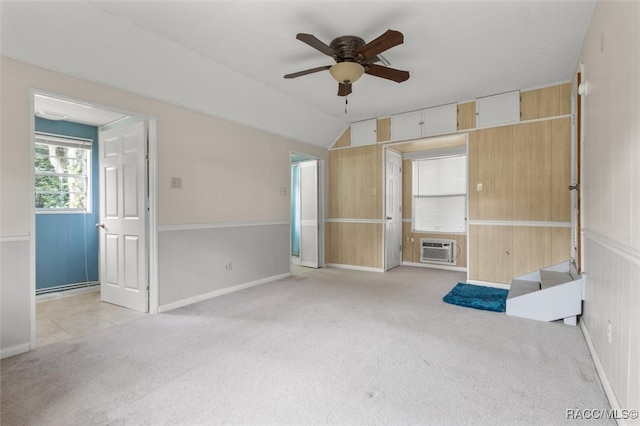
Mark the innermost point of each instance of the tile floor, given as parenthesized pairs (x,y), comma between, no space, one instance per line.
(65,317)
(61,318)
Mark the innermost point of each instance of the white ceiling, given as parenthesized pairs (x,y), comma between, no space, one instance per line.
(228,58)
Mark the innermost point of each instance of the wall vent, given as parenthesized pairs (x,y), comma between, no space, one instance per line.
(441,251)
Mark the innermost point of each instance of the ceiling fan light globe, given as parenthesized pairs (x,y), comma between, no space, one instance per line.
(346,72)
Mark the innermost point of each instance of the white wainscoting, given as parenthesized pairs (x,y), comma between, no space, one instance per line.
(612,296)
(196,262)
(15,295)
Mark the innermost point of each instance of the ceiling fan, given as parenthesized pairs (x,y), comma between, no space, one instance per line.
(353,58)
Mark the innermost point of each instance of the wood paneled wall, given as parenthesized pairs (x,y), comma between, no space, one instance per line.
(519,173)
(383,130)
(524,172)
(355,194)
(499,253)
(546,102)
(467,116)
(355,183)
(357,244)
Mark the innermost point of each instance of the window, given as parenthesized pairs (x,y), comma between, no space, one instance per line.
(62,172)
(440,194)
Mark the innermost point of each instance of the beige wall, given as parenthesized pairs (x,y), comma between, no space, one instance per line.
(611,194)
(230,173)
(227,169)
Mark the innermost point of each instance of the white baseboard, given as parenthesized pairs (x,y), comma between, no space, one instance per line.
(15,350)
(354,267)
(606,385)
(221,292)
(489,284)
(436,266)
(68,293)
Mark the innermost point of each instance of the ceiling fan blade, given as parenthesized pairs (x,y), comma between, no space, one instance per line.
(309,71)
(386,41)
(313,41)
(344,89)
(386,72)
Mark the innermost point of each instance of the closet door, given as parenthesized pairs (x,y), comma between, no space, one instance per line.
(309,213)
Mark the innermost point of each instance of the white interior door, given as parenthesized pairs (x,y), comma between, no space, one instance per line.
(123,247)
(393,209)
(309,213)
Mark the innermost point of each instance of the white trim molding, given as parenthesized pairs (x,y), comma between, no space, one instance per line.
(489,284)
(543,224)
(218,293)
(354,267)
(212,225)
(631,254)
(347,220)
(12,238)
(435,266)
(606,385)
(15,350)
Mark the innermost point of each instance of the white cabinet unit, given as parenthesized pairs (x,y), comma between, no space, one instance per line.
(498,110)
(364,133)
(427,122)
(440,120)
(407,125)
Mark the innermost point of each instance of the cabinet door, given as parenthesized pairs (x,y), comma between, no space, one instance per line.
(363,133)
(406,126)
(498,110)
(440,120)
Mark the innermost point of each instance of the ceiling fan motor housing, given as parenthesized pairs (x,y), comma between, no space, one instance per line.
(346,48)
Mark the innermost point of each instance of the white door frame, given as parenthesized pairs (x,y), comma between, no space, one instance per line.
(321,202)
(152,243)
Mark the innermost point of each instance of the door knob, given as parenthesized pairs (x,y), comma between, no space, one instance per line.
(100,225)
(576,187)
(389,218)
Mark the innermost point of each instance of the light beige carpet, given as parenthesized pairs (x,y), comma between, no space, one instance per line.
(323,347)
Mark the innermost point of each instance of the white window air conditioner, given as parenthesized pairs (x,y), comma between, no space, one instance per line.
(441,251)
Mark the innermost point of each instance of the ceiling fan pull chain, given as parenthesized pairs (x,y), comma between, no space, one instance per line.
(346,101)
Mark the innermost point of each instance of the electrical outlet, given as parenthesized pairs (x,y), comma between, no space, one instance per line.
(176,182)
(609,331)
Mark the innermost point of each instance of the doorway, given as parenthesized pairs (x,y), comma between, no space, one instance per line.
(393,209)
(55,118)
(306,223)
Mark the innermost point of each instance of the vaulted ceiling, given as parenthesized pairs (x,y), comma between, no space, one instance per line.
(228,58)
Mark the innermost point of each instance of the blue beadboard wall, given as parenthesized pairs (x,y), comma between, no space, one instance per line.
(60,238)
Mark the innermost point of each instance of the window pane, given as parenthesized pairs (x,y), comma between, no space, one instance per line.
(439,190)
(440,214)
(61,180)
